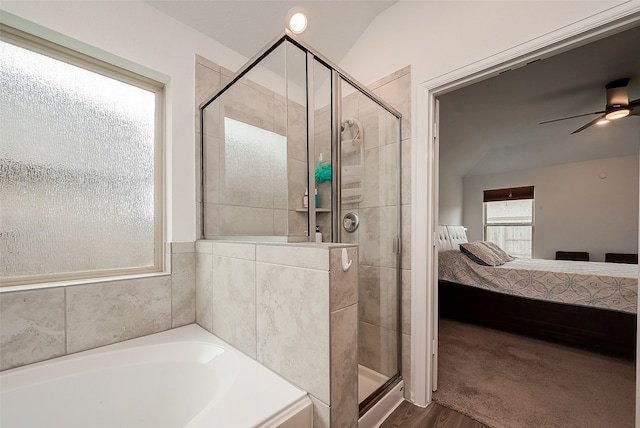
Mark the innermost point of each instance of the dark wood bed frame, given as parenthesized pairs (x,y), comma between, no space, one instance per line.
(600,330)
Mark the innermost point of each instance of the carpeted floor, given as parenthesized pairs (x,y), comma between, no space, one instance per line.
(510,381)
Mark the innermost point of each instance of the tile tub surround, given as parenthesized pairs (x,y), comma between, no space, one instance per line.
(292,308)
(32,326)
(40,324)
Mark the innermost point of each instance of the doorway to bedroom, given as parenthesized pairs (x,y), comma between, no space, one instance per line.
(586,200)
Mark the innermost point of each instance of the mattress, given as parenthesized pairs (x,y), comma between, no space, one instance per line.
(611,286)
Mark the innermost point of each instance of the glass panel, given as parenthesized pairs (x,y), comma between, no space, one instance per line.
(76,168)
(298,171)
(322,134)
(369,149)
(255,169)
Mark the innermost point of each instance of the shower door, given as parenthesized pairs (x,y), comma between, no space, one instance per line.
(370,217)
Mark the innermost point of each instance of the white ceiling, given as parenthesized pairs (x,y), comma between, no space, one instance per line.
(247,26)
(493,126)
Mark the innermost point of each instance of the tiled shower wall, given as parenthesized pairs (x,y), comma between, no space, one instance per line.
(40,324)
(292,308)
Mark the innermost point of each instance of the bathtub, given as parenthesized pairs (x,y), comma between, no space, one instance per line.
(184,377)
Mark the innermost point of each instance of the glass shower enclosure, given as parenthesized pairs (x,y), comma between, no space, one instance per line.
(293,149)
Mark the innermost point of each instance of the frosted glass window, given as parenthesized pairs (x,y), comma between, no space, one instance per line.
(78,171)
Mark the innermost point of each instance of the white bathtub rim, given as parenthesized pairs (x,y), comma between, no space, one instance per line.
(293,416)
(83,358)
(276,420)
(188,333)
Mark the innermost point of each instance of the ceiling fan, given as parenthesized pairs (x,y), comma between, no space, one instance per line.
(618,106)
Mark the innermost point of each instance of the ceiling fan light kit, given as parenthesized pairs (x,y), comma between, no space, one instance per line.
(617,114)
(617,107)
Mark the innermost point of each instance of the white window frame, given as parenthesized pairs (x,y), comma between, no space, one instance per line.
(82,60)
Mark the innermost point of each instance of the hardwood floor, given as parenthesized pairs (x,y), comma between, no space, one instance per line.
(435,415)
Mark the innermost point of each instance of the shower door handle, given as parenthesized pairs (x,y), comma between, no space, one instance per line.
(396,245)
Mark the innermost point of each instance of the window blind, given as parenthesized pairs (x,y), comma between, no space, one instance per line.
(509,194)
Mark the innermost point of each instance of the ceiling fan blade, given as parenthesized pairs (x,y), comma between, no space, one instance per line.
(572,117)
(593,122)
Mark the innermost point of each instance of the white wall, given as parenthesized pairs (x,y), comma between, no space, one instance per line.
(136,36)
(575,209)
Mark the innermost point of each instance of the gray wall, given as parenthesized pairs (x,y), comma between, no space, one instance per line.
(450,197)
(575,209)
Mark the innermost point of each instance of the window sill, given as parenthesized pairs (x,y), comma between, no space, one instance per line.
(27,287)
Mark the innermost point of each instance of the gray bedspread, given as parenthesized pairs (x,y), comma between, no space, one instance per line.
(598,284)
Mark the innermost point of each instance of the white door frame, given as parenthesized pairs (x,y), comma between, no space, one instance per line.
(424,217)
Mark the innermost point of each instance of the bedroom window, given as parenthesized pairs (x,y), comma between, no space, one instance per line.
(508,219)
(80,165)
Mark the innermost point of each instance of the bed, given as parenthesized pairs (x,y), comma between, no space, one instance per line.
(591,305)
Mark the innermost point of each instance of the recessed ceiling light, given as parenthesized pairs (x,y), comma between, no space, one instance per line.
(298,22)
